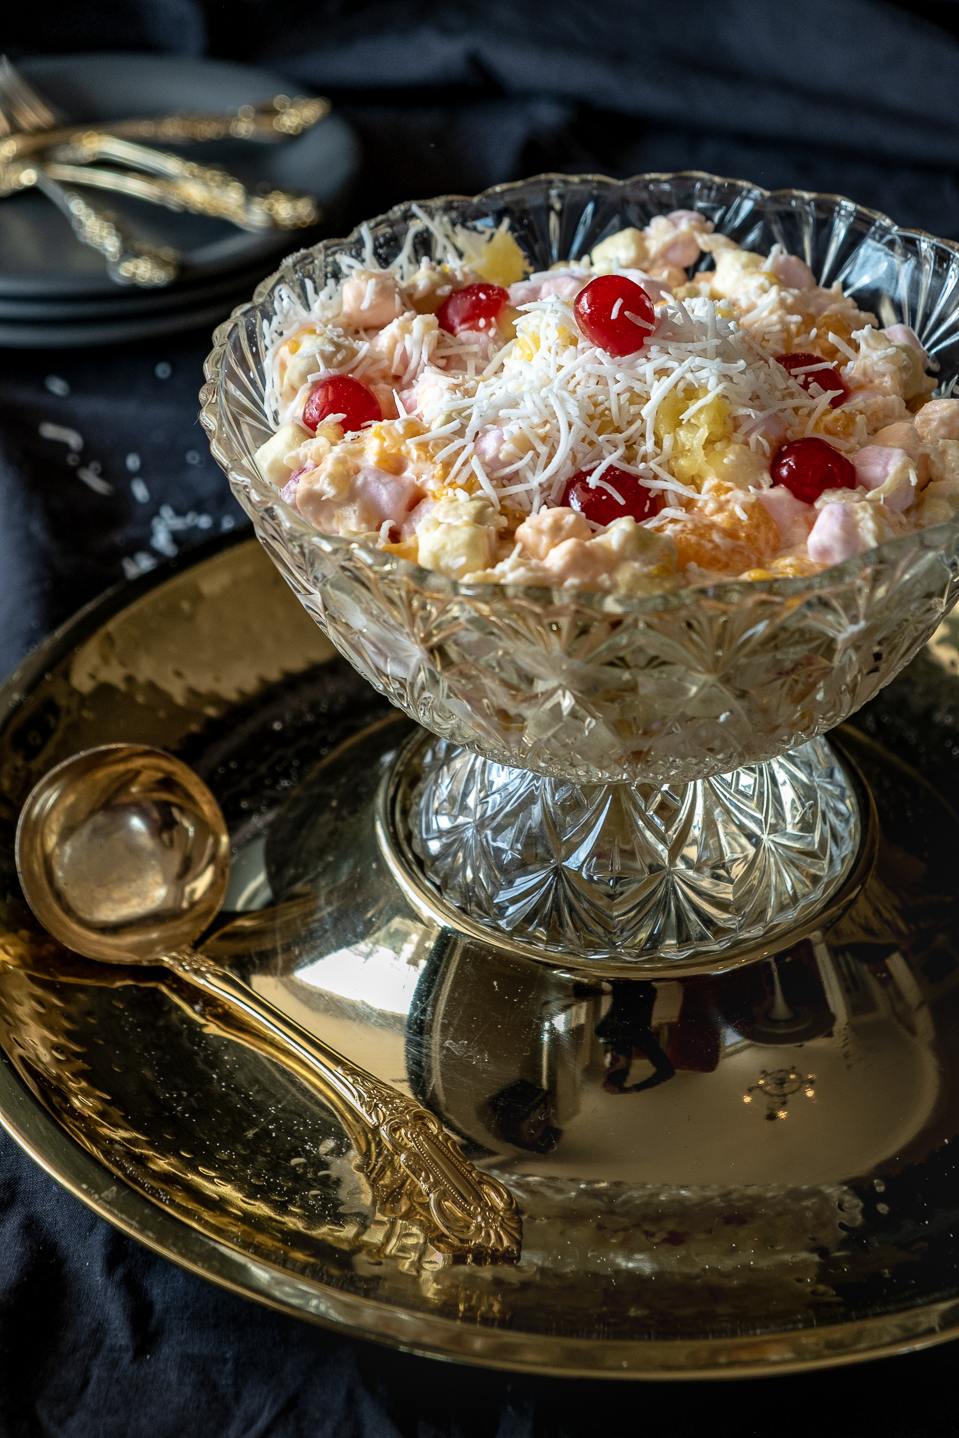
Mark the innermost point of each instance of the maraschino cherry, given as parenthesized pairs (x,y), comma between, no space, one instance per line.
(341,394)
(598,505)
(808,467)
(475,307)
(826,379)
(615,314)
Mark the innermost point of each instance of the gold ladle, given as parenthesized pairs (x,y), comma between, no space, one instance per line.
(123,855)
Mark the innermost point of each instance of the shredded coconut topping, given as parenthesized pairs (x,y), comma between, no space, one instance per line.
(483,430)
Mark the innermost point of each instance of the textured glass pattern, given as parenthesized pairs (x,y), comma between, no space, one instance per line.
(604,869)
(590,687)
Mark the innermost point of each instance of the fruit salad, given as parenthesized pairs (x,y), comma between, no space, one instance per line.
(668,410)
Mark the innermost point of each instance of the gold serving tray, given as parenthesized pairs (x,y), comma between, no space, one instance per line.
(674,1232)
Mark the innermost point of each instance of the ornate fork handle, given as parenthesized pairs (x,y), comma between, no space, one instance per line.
(265,123)
(204,189)
(225,200)
(129,262)
(415,1170)
(279,119)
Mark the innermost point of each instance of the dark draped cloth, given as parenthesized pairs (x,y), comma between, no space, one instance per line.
(98,1337)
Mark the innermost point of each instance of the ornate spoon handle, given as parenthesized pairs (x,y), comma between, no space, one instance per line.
(415,1170)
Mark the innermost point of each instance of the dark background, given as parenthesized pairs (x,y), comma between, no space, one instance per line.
(98,1338)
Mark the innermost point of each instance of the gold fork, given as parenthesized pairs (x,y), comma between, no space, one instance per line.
(270,121)
(225,200)
(129,261)
(179,184)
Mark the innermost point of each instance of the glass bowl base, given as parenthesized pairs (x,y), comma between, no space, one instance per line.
(633,872)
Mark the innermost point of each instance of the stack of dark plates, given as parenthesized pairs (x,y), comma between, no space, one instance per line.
(55,293)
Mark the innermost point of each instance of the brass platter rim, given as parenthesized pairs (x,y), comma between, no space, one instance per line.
(205,1257)
(38,1133)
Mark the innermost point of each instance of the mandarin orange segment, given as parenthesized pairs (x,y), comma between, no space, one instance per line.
(740,516)
(701,542)
(840,423)
(793,566)
(404,549)
(758,530)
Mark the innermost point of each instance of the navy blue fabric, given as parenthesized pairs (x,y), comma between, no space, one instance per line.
(62,542)
(98,1337)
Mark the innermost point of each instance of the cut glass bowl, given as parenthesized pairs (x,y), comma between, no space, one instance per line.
(671,694)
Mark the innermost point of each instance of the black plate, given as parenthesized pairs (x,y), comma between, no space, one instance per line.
(119,330)
(40,261)
(129,303)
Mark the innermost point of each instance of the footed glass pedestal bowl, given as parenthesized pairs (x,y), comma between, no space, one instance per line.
(613,783)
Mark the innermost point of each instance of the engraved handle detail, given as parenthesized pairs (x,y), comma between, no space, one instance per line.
(272,122)
(415,1170)
(421,1176)
(180,184)
(129,262)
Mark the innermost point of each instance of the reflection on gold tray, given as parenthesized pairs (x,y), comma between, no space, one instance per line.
(753,1174)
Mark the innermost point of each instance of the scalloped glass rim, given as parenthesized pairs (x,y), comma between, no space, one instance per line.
(731,591)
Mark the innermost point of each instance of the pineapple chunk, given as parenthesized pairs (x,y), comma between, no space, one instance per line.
(501,260)
(271,457)
(626,250)
(459,537)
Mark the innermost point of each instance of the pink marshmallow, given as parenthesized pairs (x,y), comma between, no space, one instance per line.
(565,285)
(679,248)
(770,428)
(387,496)
(793,272)
(681,252)
(786,510)
(875,464)
(656,289)
(288,492)
(906,335)
(835,535)
(373,302)
(487,342)
(525,292)
(488,447)
(415,518)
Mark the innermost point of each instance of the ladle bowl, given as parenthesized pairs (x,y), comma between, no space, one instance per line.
(123,854)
